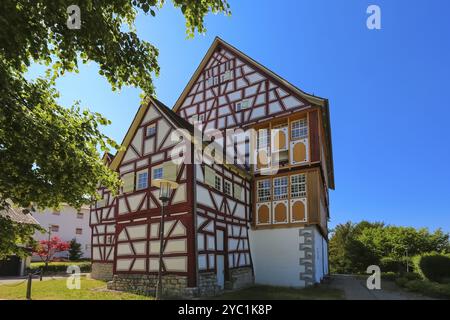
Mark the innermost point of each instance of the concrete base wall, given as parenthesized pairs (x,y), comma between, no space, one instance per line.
(102,271)
(240,278)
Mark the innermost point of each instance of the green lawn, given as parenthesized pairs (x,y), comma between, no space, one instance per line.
(57,290)
(282,293)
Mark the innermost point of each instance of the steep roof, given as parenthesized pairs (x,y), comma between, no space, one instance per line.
(315,100)
(17,215)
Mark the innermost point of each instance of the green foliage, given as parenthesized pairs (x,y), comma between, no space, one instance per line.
(355,246)
(15,237)
(394,264)
(50,154)
(433,266)
(75,252)
(61,267)
(431,289)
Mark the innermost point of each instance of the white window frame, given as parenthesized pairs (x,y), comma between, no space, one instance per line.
(298,188)
(264,193)
(141,184)
(280,188)
(227,188)
(299,129)
(218,182)
(263,139)
(154,176)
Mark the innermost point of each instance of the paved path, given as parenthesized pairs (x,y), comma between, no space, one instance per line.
(355,288)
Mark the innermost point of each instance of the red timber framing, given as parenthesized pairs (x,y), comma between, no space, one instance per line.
(135,214)
(222,218)
(230,90)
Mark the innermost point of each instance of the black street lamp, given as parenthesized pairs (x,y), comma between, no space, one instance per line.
(165,189)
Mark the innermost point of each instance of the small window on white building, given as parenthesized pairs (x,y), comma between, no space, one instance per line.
(142,180)
(225,76)
(78,231)
(218,183)
(264,190)
(157,173)
(241,105)
(298,185)
(151,130)
(80,215)
(54,228)
(227,188)
(299,129)
(280,188)
(56,212)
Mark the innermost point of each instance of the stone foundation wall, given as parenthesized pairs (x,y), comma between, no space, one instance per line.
(240,278)
(207,284)
(173,285)
(102,271)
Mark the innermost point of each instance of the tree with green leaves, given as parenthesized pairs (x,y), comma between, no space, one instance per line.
(355,246)
(50,154)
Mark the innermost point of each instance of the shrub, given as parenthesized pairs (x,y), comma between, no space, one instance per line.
(433,266)
(61,267)
(428,288)
(398,265)
(390,276)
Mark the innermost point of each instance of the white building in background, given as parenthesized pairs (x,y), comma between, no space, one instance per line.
(66,223)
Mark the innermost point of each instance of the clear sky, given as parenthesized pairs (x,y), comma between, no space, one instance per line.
(388,91)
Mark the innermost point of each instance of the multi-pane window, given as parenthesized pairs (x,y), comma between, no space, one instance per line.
(227,188)
(263,138)
(142,182)
(264,190)
(299,129)
(280,188)
(218,183)
(298,185)
(151,130)
(78,231)
(158,173)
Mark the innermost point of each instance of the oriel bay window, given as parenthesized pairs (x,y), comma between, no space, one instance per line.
(281,199)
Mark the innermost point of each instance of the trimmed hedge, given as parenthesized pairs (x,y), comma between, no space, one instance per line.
(433,266)
(61,267)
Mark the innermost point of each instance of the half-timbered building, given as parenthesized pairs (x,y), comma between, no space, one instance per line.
(262,219)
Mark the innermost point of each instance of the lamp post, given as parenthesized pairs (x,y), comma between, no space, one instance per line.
(165,188)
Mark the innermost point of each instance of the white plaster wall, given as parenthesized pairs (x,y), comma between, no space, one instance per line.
(318,256)
(68,222)
(276,256)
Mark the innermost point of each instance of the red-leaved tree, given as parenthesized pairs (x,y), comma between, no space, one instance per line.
(48,248)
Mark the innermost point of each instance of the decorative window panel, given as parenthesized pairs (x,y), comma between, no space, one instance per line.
(263,138)
(280,188)
(128,182)
(298,186)
(264,190)
(299,129)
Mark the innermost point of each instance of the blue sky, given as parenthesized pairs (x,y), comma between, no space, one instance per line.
(387,88)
